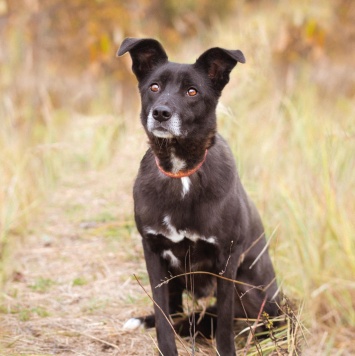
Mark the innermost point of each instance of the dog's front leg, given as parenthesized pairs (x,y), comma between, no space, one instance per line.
(157,271)
(225,309)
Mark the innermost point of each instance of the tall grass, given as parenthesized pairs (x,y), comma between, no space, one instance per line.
(41,128)
(36,153)
(295,151)
(29,161)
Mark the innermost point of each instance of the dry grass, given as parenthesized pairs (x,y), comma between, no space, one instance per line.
(290,124)
(74,271)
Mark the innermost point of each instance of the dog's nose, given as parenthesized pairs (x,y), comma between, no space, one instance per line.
(162,113)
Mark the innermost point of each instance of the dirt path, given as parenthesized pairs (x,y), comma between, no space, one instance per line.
(72,288)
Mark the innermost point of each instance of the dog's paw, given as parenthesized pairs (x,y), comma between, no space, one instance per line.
(132,324)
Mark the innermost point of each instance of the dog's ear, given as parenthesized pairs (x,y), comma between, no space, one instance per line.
(146,54)
(218,63)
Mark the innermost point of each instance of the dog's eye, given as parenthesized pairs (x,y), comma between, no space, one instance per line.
(154,87)
(192,92)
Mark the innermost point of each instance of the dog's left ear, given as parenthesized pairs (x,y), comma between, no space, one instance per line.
(218,63)
(146,54)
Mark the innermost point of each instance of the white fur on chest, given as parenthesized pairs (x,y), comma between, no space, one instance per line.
(173,260)
(177,163)
(186,184)
(174,235)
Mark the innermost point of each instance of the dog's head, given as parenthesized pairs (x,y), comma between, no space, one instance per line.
(179,100)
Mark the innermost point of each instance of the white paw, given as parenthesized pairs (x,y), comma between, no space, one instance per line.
(132,324)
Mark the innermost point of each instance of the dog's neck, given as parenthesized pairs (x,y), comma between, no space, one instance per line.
(180,158)
(178,170)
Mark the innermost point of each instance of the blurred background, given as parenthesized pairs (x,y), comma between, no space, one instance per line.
(67,104)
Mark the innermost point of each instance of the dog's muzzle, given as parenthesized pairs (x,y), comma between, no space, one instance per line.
(162,122)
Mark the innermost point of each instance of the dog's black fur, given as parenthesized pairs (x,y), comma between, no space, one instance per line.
(203,222)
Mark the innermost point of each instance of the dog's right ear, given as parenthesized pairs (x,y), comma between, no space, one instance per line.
(146,54)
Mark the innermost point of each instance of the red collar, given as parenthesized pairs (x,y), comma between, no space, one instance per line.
(181,174)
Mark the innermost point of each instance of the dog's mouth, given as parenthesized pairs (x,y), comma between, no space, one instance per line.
(162,132)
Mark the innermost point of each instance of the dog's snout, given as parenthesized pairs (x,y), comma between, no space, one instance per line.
(162,113)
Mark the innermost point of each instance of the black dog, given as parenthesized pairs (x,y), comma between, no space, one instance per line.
(190,207)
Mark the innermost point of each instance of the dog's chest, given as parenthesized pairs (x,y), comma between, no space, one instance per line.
(182,247)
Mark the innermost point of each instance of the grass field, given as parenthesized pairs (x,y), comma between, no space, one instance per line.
(290,121)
